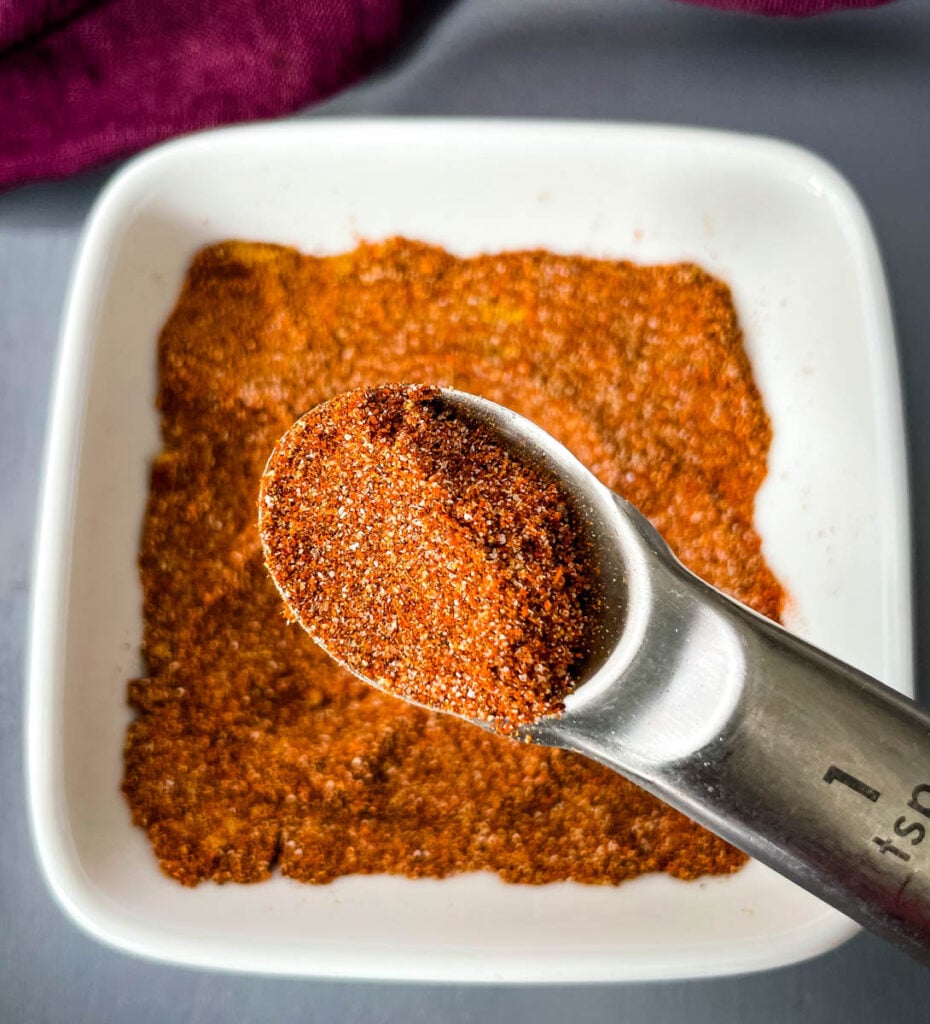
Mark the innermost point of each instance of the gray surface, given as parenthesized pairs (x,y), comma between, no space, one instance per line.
(855,88)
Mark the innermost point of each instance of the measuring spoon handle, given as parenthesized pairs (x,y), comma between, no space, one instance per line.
(805,763)
(823,773)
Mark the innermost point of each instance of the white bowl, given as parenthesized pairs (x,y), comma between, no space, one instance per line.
(774,221)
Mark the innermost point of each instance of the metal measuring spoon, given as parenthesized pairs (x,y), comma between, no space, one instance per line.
(805,763)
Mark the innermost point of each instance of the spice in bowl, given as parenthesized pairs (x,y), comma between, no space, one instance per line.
(422,554)
(251,751)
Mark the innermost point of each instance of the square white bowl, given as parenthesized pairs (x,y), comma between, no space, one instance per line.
(775,222)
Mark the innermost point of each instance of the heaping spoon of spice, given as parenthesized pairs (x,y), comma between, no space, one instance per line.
(452,553)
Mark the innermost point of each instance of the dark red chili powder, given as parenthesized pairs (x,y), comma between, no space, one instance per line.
(413,545)
(251,748)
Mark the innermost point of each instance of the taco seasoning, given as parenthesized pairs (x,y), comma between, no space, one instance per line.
(422,554)
(251,750)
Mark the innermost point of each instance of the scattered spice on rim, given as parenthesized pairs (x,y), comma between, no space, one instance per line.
(251,750)
(424,555)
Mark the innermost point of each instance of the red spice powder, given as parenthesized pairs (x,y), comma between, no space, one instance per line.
(414,546)
(250,748)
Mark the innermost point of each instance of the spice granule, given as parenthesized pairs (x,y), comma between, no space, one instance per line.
(250,749)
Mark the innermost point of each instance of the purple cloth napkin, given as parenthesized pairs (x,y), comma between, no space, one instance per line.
(84,82)
(787,8)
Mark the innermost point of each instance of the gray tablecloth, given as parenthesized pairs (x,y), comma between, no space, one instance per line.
(854,88)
